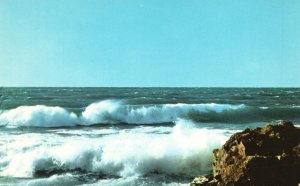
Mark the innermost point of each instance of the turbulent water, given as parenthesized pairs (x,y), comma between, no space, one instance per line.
(126,136)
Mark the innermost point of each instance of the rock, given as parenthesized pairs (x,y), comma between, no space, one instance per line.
(257,157)
(207,180)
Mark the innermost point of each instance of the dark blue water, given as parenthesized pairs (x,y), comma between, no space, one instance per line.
(260,104)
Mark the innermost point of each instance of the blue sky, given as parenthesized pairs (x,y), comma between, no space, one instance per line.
(150,43)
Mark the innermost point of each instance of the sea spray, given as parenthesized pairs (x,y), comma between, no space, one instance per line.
(38,116)
(108,112)
(186,150)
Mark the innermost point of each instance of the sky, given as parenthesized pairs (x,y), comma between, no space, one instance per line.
(169,43)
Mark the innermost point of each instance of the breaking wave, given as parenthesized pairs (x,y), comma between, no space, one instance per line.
(184,151)
(38,116)
(107,111)
(118,112)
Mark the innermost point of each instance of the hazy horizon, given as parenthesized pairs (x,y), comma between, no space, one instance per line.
(253,87)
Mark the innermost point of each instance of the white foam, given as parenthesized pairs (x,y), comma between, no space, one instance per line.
(65,179)
(38,116)
(102,112)
(115,182)
(185,151)
(110,111)
(107,111)
(86,132)
(135,181)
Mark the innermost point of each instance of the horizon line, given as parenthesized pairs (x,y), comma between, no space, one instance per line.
(149,87)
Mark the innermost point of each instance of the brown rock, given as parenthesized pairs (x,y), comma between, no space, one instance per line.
(261,156)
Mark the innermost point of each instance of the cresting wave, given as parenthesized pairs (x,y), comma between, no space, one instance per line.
(117,112)
(184,151)
(38,116)
(109,112)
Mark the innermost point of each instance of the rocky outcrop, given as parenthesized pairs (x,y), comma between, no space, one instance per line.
(258,157)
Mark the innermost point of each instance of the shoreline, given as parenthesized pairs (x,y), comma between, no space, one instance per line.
(262,156)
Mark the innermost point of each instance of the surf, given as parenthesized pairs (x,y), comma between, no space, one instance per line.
(107,112)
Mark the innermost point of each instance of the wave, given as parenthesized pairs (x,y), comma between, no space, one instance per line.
(38,116)
(184,151)
(118,112)
(109,111)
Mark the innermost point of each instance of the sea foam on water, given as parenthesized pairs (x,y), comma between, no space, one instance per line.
(185,150)
(108,112)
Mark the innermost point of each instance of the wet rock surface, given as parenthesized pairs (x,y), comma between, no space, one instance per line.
(262,156)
